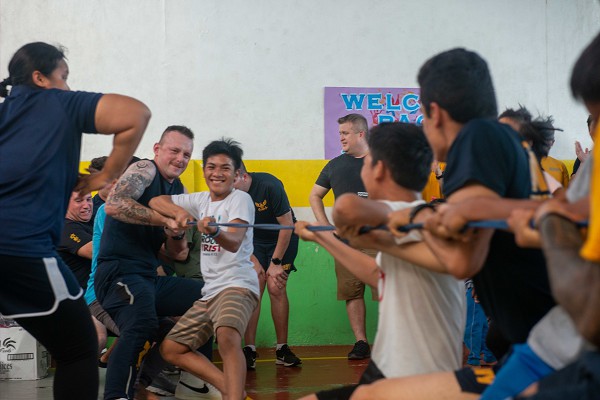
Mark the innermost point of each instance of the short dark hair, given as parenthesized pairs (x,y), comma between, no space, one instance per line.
(225,146)
(521,115)
(404,150)
(37,56)
(585,78)
(459,81)
(358,121)
(98,163)
(184,130)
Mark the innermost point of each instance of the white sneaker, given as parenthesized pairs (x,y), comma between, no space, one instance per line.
(191,387)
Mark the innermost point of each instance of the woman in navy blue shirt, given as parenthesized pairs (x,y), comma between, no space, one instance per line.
(41,122)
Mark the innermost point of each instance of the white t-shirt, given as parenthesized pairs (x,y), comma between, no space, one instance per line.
(421,315)
(222,269)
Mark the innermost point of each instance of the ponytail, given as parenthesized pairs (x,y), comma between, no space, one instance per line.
(3,86)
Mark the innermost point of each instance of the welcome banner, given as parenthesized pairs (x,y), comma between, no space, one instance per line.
(377,105)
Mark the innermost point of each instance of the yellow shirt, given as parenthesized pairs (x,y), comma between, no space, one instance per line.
(557,169)
(433,190)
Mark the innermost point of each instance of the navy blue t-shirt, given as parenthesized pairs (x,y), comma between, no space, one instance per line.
(40,141)
(513,284)
(270,201)
(134,248)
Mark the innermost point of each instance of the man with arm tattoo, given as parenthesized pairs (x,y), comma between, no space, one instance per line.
(126,284)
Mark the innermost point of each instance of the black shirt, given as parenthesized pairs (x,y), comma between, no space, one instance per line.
(342,175)
(513,284)
(136,247)
(74,236)
(270,201)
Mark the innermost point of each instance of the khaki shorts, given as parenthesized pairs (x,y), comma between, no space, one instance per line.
(348,286)
(232,307)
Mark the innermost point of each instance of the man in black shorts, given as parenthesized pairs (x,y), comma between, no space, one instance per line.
(273,258)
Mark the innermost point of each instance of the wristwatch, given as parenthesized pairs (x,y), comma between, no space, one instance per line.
(276,261)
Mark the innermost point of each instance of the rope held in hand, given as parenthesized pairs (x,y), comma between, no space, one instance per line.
(492,224)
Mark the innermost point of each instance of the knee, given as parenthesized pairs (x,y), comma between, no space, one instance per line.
(100,333)
(228,338)
(276,292)
(171,350)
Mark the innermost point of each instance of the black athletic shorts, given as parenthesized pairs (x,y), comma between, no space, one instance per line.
(33,287)
(371,374)
(264,252)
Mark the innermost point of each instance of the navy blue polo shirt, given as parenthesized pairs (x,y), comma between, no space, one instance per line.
(40,141)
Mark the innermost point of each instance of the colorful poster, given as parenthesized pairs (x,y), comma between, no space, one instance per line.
(377,105)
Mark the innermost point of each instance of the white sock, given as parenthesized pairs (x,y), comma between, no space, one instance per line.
(253,347)
(279,346)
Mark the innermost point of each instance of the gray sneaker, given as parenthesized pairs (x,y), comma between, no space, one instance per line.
(162,385)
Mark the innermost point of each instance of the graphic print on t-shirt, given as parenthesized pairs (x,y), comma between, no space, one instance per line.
(210,247)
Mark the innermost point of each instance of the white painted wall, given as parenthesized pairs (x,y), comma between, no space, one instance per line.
(255,70)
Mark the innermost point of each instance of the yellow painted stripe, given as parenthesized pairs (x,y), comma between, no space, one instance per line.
(298,176)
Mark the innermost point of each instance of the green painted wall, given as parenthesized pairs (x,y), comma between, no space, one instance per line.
(316,316)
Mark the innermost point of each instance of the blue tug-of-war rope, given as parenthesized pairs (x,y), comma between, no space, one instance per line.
(491,223)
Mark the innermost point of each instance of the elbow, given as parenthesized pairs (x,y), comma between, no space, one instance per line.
(460,269)
(146,114)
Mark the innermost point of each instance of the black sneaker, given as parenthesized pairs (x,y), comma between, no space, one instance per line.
(360,351)
(250,358)
(286,357)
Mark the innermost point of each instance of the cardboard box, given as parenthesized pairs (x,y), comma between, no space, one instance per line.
(21,356)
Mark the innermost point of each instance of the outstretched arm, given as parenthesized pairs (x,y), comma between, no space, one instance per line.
(352,212)
(126,118)
(574,280)
(358,263)
(460,254)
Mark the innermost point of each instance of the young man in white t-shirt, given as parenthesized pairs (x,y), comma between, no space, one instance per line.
(421,312)
(231,290)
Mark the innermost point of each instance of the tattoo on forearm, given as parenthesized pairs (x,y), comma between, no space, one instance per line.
(128,189)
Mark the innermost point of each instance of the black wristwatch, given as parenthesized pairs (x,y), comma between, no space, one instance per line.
(276,261)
